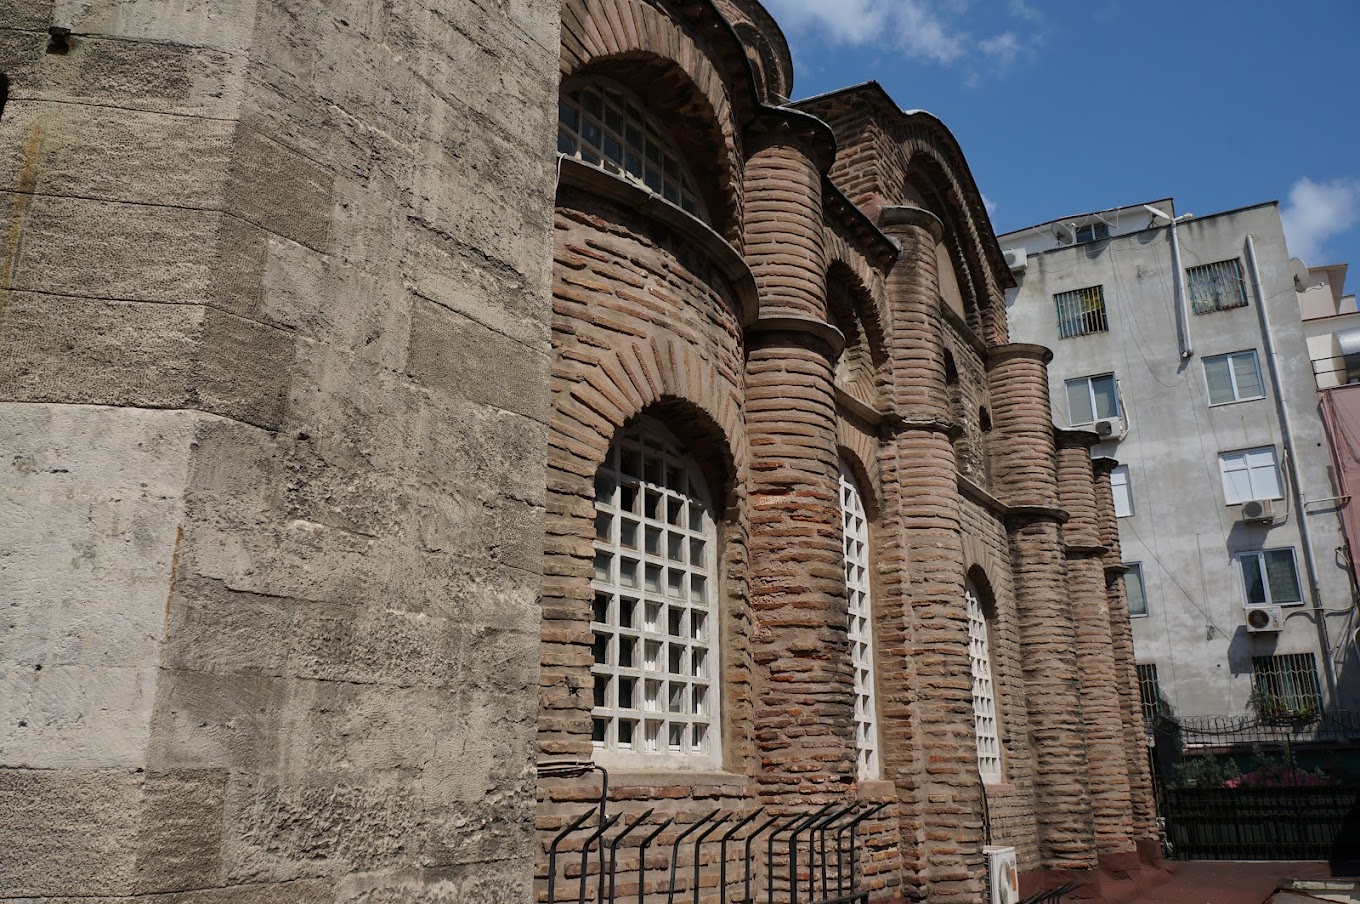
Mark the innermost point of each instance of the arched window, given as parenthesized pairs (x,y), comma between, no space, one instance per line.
(655,623)
(984,692)
(855,536)
(606,125)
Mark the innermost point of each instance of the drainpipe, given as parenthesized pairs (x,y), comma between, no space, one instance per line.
(1292,471)
(1182,315)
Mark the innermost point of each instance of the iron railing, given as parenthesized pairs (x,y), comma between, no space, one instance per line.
(1259,823)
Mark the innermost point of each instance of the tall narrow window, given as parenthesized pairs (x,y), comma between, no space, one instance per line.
(1122,491)
(1149,692)
(855,536)
(1233,378)
(1216,287)
(1134,589)
(984,693)
(1081,311)
(655,622)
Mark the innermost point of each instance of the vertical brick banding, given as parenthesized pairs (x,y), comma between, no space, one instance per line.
(917,338)
(1022,447)
(1101,708)
(784,235)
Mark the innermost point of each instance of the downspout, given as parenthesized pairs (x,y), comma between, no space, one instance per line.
(1182,316)
(1292,472)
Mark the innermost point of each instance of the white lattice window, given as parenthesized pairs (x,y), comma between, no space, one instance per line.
(654,622)
(861,627)
(606,125)
(984,694)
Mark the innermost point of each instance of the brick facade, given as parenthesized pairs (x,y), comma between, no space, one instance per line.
(842,304)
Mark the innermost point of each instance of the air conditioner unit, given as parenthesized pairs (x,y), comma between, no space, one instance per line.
(1265,619)
(1016,259)
(1002,877)
(1258,510)
(1110,428)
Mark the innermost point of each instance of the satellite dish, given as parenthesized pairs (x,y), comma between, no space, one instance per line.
(1065,233)
(1301,275)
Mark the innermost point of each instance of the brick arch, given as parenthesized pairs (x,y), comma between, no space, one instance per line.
(622,35)
(983,570)
(857,450)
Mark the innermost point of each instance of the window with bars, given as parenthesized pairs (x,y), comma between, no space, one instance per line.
(1134,589)
(1270,577)
(1081,312)
(606,125)
(1149,692)
(855,535)
(984,692)
(1249,474)
(1216,287)
(1234,377)
(1286,683)
(654,623)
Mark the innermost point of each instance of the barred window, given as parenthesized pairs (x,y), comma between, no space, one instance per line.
(984,693)
(1286,683)
(1081,312)
(606,125)
(1217,287)
(655,623)
(855,536)
(1149,692)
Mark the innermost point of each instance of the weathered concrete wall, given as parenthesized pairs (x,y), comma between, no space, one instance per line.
(273,404)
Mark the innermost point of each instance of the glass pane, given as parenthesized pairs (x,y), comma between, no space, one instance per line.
(1133,586)
(627,613)
(628,534)
(1251,579)
(1236,482)
(1107,397)
(567,115)
(1282,576)
(1247,375)
(627,687)
(602,683)
(601,608)
(628,498)
(1216,373)
(1079,401)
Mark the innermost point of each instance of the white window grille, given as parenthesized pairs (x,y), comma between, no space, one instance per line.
(606,125)
(1122,491)
(1286,683)
(1235,377)
(1250,474)
(1081,312)
(1134,589)
(655,622)
(1216,287)
(855,536)
(1150,692)
(1092,398)
(1270,577)
(984,694)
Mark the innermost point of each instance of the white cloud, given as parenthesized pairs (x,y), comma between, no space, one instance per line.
(1315,212)
(1003,48)
(990,205)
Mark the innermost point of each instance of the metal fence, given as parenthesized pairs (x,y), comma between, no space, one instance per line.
(1284,823)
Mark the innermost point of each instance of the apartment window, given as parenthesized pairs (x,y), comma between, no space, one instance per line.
(984,693)
(861,631)
(1216,287)
(655,622)
(1270,577)
(1122,491)
(606,125)
(1081,312)
(1286,683)
(1134,589)
(1093,232)
(1250,474)
(1234,377)
(1149,691)
(1092,398)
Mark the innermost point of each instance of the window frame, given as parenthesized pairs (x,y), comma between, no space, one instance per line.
(1081,312)
(1200,274)
(1136,568)
(1097,231)
(1263,575)
(1244,453)
(651,629)
(986,704)
(1091,397)
(1232,376)
(858,556)
(1289,680)
(1122,471)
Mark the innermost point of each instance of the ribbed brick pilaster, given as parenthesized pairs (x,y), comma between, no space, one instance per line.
(783,233)
(1024,473)
(925,513)
(1142,798)
(1101,707)
(805,705)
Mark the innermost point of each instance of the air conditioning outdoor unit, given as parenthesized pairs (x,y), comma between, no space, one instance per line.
(1258,510)
(1265,619)
(1002,877)
(1016,259)
(1110,428)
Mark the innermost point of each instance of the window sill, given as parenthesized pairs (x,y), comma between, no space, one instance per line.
(1259,398)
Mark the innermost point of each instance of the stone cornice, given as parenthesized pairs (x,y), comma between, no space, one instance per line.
(817,134)
(880,248)
(1018,515)
(1084,551)
(976,493)
(858,408)
(728,261)
(894,424)
(832,338)
(964,331)
(1115,569)
(889,217)
(1000,353)
(1077,438)
(1104,464)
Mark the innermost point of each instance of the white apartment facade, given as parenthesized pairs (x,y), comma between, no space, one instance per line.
(1238,583)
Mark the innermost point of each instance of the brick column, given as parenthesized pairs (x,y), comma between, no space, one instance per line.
(1024,477)
(1143,798)
(1101,707)
(937,764)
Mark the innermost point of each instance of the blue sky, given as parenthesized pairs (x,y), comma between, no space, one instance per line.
(1071,107)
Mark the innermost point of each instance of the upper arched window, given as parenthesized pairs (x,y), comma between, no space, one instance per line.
(655,622)
(984,689)
(606,125)
(855,535)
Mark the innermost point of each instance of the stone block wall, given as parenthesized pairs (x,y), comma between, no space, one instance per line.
(273,407)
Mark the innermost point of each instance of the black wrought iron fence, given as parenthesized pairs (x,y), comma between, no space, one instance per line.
(1276,823)
(807,857)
